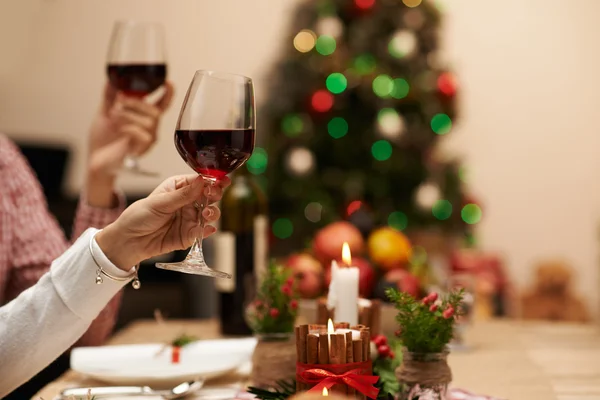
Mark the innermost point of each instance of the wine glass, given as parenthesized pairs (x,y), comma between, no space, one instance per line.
(215,136)
(136,65)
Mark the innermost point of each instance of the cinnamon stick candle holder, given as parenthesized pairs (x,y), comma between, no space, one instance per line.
(335,357)
(369,314)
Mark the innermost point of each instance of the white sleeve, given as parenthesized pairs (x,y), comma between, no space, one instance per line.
(48,318)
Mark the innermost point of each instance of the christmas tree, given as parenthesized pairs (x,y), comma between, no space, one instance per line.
(353,114)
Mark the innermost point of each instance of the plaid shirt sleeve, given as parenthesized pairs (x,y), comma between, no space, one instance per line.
(37,238)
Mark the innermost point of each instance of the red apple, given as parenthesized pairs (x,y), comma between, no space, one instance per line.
(328,242)
(404,280)
(366,277)
(308,274)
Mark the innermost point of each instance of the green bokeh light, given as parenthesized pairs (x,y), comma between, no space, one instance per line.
(283,228)
(325,45)
(383,85)
(381,150)
(257,163)
(441,124)
(442,209)
(292,125)
(471,213)
(336,83)
(401,88)
(365,64)
(337,127)
(398,220)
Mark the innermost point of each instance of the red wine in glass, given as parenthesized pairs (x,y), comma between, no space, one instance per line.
(215,153)
(137,80)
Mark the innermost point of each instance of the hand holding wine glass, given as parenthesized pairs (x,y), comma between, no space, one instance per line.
(215,136)
(136,70)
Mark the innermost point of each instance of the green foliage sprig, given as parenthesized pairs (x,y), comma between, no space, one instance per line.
(276,305)
(282,391)
(385,368)
(426,326)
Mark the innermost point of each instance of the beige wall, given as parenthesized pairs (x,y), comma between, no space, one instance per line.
(529,78)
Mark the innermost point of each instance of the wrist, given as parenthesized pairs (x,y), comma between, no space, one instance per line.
(99,190)
(117,248)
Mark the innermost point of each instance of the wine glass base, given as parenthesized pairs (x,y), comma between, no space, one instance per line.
(193,268)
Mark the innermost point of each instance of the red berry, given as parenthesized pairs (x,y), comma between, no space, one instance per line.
(433,296)
(273,312)
(398,332)
(448,312)
(433,308)
(287,290)
(384,350)
(426,300)
(379,340)
(392,355)
(258,303)
(294,304)
(290,281)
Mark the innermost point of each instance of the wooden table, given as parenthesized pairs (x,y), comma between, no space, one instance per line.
(508,359)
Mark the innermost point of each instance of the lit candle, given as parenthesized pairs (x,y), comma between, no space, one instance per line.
(325,392)
(346,289)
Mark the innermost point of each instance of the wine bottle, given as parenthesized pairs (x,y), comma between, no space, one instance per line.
(240,249)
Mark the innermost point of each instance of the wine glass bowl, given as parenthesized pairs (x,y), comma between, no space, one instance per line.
(136,65)
(215,136)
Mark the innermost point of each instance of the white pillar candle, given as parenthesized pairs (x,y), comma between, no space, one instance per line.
(346,289)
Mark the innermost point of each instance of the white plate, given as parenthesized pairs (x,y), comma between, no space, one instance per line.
(139,365)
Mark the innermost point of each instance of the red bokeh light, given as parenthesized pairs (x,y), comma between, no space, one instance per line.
(364,4)
(322,100)
(353,207)
(446,83)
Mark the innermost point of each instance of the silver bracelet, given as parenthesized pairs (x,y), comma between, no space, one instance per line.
(99,272)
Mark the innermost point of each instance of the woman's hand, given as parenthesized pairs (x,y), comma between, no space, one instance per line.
(165,221)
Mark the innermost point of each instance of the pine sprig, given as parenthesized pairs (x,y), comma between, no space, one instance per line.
(423,329)
(281,391)
(183,340)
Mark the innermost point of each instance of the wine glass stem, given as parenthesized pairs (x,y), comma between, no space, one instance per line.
(196,249)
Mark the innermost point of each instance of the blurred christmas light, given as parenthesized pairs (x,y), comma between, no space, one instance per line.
(365,64)
(325,45)
(283,228)
(336,83)
(441,124)
(330,26)
(398,220)
(390,123)
(442,209)
(411,3)
(353,207)
(337,127)
(446,83)
(401,88)
(364,4)
(402,44)
(381,150)
(292,125)
(300,161)
(471,213)
(427,195)
(257,163)
(322,100)
(313,211)
(383,85)
(305,40)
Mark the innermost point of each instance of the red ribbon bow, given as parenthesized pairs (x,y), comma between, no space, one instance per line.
(352,378)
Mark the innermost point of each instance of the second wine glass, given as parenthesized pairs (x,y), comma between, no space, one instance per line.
(136,65)
(215,136)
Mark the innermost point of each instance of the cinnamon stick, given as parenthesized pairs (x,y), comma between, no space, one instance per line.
(366,315)
(358,327)
(322,311)
(317,328)
(337,355)
(365,336)
(312,348)
(375,317)
(341,325)
(302,356)
(323,349)
(349,358)
(357,349)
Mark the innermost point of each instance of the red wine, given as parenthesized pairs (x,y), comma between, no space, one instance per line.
(137,79)
(215,153)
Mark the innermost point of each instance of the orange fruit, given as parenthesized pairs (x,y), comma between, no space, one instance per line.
(389,248)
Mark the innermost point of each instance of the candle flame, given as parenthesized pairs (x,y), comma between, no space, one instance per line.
(346,255)
(325,391)
(330,328)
